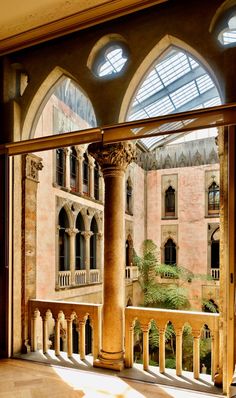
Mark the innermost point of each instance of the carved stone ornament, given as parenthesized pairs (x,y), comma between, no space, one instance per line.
(32,166)
(113,155)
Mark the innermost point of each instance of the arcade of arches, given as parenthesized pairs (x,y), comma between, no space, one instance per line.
(86,208)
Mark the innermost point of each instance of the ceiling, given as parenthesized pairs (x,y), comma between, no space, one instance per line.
(27,22)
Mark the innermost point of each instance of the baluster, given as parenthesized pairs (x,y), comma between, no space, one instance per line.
(57,336)
(82,339)
(179,337)
(162,349)
(45,332)
(196,353)
(129,346)
(69,336)
(145,330)
(34,331)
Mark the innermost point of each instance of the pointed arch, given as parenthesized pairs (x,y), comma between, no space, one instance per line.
(159,51)
(54,79)
(93,243)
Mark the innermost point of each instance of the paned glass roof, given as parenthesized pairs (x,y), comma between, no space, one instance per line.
(114,62)
(228,35)
(177,83)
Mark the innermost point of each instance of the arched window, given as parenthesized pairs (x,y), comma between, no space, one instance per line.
(93,244)
(170,252)
(80,244)
(96,181)
(215,254)
(85,175)
(170,202)
(73,169)
(60,167)
(64,248)
(129,190)
(213,198)
(129,252)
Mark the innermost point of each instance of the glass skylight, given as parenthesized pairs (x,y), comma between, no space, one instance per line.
(177,83)
(228,35)
(114,62)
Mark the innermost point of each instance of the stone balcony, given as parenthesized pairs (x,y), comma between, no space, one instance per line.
(78,278)
(58,318)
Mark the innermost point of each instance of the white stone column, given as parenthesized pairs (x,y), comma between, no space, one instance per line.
(72,234)
(87,235)
(91,176)
(196,353)
(113,159)
(67,174)
(80,157)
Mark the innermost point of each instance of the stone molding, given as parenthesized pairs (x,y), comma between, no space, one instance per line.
(33,164)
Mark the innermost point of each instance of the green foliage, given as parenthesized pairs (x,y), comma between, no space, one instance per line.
(147,263)
(209,306)
(170,363)
(174,272)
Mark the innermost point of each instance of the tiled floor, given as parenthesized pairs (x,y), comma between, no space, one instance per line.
(27,379)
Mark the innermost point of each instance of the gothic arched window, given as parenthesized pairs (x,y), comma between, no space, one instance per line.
(64,248)
(213,198)
(80,244)
(128,252)
(96,181)
(73,169)
(93,244)
(215,254)
(170,202)
(60,167)
(85,175)
(170,252)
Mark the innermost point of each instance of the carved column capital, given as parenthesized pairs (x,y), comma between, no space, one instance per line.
(113,157)
(87,234)
(71,231)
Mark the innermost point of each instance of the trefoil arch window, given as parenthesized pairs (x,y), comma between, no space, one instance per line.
(80,244)
(93,244)
(170,252)
(60,167)
(213,198)
(215,249)
(170,202)
(64,244)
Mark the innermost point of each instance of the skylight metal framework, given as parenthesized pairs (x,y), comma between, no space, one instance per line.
(114,62)
(178,83)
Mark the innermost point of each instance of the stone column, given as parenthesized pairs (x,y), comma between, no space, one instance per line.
(145,330)
(162,349)
(87,235)
(91,177)
(80,158)
(179,338)
(113,159)
(67,175)
(196,353)
(72,234)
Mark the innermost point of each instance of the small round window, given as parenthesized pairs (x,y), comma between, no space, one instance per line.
(111,61)
(228,35)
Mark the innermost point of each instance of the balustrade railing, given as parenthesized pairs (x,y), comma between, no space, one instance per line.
(215,273)
(80,277)
(64,278)
(196,320)
(94,275)
(55,318)
(52,319)
(131,272)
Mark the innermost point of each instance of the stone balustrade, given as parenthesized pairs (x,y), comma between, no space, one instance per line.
(131,272)
(78,278)
(162,317)
(64,278)
(56,318)
(215,273)
(51,318)
(94,275)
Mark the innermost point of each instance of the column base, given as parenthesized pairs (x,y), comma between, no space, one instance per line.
(113,362)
